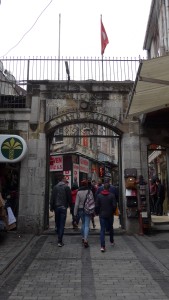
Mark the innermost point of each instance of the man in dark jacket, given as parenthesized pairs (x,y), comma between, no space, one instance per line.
(60,200)
(105,207)
(112,189)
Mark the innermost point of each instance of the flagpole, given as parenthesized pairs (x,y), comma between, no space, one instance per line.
(102,54)
(59,48)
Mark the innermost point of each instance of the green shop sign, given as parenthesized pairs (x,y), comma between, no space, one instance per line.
(12,148)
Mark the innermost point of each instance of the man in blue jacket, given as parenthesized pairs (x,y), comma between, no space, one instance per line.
(105,207)
(112,189)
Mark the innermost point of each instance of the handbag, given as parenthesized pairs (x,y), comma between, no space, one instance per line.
(116,213)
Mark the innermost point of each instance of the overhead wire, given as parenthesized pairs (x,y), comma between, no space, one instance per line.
(27,30)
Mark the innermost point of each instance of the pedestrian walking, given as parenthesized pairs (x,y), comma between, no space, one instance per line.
(81,197)
(160,197)
(59,202)
(92,186)
(75,220)
(153,196)
(112,189)
(105,207)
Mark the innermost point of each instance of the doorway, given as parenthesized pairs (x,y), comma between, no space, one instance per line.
(157,168)
(83,151)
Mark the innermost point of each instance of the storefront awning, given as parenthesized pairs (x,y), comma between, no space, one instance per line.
(151,87)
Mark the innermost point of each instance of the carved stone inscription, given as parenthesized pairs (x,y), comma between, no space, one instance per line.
(84,116)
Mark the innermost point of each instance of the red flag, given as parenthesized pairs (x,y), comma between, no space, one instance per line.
(104,38)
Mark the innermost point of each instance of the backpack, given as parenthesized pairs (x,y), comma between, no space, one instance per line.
(89,204)
(130,183)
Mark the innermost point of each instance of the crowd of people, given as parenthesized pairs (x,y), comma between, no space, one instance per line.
(102,197)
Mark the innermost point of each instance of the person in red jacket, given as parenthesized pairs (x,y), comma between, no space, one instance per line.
(105,207)
(75,220)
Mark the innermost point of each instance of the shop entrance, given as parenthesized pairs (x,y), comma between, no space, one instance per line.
(9,185)
(83,151)
(157,166)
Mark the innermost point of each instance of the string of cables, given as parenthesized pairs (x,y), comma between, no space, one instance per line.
(27,30)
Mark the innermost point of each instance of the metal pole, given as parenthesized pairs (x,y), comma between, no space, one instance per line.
(101,46)
(59,48)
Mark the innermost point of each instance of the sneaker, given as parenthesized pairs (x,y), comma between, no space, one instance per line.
(102,249)
(86,245)
(112,244)
(60,244)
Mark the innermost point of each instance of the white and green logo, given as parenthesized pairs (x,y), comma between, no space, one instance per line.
(11,148)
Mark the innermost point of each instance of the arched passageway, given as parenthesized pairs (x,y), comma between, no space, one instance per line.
(82,145)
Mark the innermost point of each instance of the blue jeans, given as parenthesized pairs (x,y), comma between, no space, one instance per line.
(85,224)
(106,223)
(60,217)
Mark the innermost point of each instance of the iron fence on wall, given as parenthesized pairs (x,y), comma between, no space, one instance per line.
(16,72)
(115,69)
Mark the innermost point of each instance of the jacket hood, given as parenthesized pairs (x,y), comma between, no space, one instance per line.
(83,188)
(105,192)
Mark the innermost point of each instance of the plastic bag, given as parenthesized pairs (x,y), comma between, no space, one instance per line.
(11,217)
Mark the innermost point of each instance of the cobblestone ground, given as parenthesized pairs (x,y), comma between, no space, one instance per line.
(135,268)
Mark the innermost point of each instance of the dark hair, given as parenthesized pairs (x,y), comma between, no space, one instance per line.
(60,177)
(74,186)
(84,182)
(107,180)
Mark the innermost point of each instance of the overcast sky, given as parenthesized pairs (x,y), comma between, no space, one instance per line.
(125,22)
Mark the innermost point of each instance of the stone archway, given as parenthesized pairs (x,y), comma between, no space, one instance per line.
(78,117)
(73,117)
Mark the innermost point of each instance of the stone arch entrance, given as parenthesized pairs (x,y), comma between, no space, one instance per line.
(73,117)
(69,122)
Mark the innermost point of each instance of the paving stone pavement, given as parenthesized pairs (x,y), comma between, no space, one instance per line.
(137,267)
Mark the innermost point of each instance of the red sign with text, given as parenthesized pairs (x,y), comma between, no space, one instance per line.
(56,163)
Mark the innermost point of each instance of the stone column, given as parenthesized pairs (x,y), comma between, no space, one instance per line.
(33,173)
(32,187)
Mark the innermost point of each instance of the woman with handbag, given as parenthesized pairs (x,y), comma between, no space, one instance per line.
(81,197)
(75,220)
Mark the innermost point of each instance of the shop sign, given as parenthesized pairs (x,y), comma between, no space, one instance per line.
(76,172)
(83,165)
(68,177)
(12,148)
(56,163)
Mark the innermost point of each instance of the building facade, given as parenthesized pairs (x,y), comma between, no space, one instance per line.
(50,109)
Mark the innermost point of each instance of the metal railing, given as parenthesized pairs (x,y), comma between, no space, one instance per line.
(115,69)
(15,73)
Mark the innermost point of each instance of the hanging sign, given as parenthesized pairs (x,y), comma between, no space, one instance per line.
(76,173)
(83,165)
(56,163)
(68,177)
(12,148)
